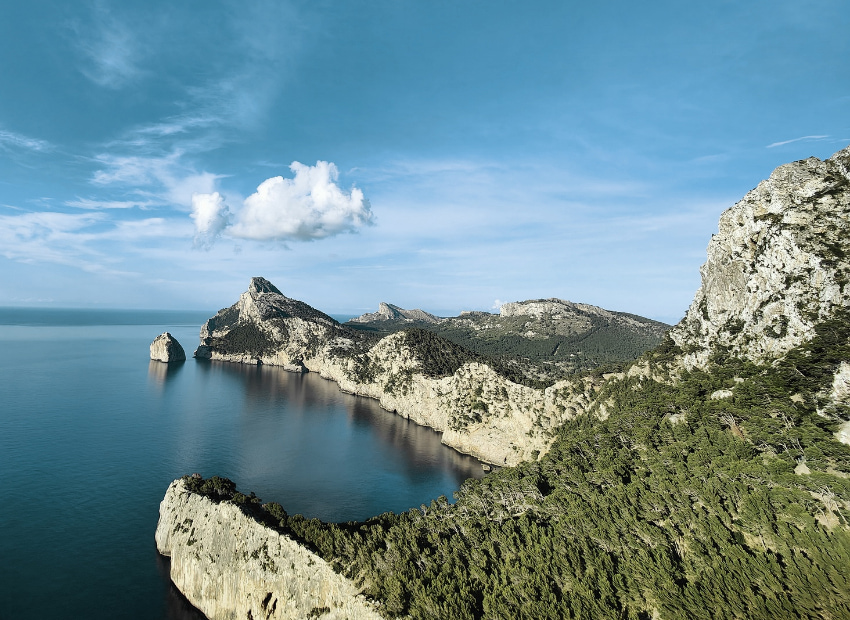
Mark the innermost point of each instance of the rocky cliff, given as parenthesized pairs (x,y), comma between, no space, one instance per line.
(389,312)
(228,565)
(777,265)
(165,348)
(414,373)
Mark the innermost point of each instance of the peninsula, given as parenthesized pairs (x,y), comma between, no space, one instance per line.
(708,479)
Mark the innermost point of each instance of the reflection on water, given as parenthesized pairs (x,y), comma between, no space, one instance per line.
(325,453)
(92,432)
(160,373)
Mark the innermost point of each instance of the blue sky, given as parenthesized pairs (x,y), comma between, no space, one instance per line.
(439,155)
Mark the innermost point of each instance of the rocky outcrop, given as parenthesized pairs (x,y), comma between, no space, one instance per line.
(777,266)
(230,566)
(165,348)
(479,411)
(389,312)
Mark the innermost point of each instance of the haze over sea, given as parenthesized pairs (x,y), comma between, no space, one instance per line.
(92,432)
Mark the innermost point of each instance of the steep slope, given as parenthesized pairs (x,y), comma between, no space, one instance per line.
(777,266)
(256,572)
(482,407)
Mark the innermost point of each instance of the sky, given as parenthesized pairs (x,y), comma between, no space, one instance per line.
(439,155)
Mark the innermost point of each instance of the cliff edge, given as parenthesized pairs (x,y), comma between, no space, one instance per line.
(230,566)
(776,267)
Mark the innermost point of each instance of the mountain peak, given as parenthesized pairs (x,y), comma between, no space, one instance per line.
(261,285)
(391,312)
(779,263)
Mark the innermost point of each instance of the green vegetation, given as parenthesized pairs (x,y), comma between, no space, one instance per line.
(439,357)
(557,348)
(241,339)
(677,503)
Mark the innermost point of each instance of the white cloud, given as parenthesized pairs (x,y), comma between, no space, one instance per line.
(784,142)
(309,206)
(211,217)
(88,203)
(182,190)
(85,240)
(170,180)
(12,139)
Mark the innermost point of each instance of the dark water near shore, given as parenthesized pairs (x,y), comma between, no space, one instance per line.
(92,432)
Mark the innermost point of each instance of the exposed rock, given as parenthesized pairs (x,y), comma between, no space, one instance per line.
(389,312)
(802,469)
(843,433)
(230,566)
(721,394)
(165,348)
(840,393)
(777,266)
(837,404)
(479,411)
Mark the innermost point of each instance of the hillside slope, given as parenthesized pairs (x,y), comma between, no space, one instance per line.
(542,339)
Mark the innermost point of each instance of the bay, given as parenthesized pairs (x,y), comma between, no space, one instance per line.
(92,432)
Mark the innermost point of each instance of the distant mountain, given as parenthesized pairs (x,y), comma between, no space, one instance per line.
(544,339)
(389,312)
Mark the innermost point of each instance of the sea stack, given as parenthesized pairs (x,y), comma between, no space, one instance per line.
(165,348)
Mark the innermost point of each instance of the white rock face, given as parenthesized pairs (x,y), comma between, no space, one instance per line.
(165,348)
(389,312)
(229,566)
(840,392)
(838,402)
(721,394)
(558,309)
(478,411)
(843,433)
(778,264)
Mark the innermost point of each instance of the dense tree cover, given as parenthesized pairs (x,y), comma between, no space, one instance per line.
(557,349)
(439,357)
(241,339)
(681,502)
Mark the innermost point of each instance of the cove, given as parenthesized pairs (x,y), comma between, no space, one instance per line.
(92,433)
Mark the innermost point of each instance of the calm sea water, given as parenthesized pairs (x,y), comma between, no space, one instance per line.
(92,432)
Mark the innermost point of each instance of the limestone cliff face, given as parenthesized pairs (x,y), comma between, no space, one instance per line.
(230,566)
(479,411)
(165,348)
(779,263)
(389,312)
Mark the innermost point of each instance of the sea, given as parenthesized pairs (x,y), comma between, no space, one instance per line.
(92,432)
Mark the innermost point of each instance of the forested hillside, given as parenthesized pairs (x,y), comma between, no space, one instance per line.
(543,347)
(723,494)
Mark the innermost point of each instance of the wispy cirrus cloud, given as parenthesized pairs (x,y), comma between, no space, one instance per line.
(800,139)
(93,204)
(167,179)
(10,139)
(110,49)
(81,240)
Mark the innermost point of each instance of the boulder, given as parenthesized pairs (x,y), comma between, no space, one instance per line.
(165,348)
